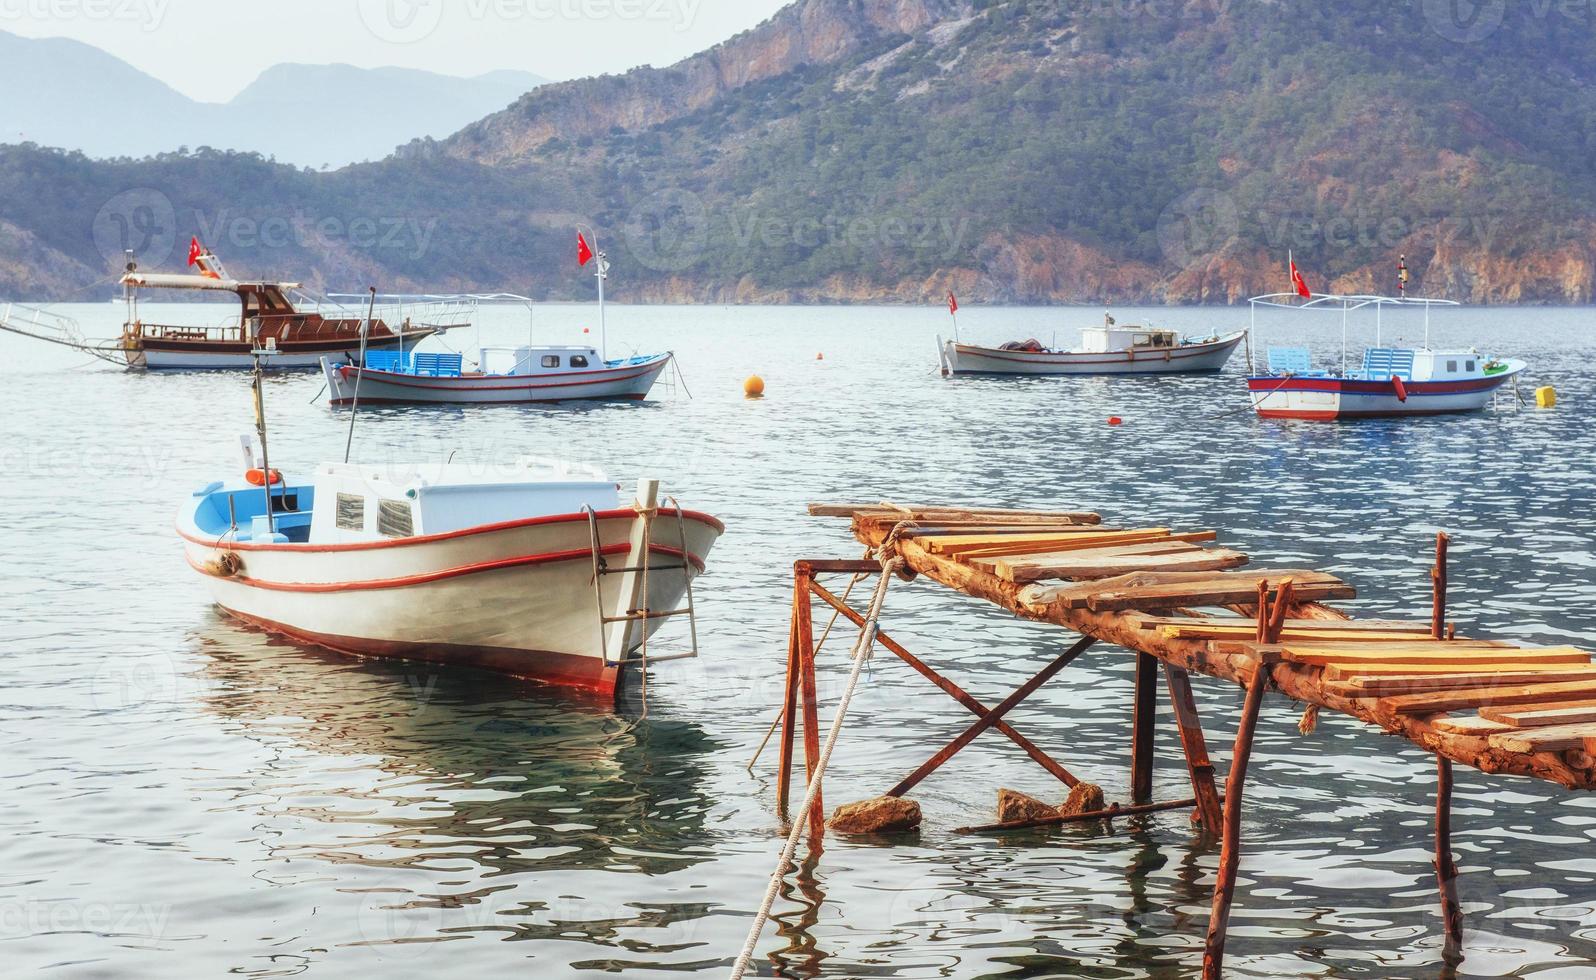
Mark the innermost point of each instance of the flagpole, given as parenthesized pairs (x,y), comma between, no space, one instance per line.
(600,273)
(360,371)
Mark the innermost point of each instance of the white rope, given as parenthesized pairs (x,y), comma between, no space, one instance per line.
(861,654)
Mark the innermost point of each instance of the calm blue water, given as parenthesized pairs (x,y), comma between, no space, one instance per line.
(180,796)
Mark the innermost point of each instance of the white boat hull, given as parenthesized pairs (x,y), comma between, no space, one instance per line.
(1317,399)
(1188,358)
(625,382)
(517,598)
(154,358)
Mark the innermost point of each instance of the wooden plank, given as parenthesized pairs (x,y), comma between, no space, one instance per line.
(1438,656)
(1367,686)
(1343,672)
(1558,739)
(1316,651)
(1224,586)
(1198,560)
(986,558)
(1233,589)
(890,507)
(1484,697)
(1533,716)
(922,531)
(1164,546)
(971,545)
(1467,725)
(1246,627)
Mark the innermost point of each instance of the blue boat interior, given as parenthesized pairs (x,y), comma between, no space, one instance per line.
(239,512)
(1290,360)
(1385,363)
(419,363)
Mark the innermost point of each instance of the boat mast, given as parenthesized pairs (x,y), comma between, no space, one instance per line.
(260,421)
(360,370)
(1344,308)
(600,273)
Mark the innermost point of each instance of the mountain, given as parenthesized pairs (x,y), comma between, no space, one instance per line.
(892,150)
(81,98)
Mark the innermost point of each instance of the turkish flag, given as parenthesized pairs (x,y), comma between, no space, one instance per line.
(584,255)
(1298,283)
(194,252)
(953,305)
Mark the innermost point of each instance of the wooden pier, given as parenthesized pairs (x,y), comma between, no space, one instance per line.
(1182,605)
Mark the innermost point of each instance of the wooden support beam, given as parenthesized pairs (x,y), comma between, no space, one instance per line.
(1144,727)
(1438,577)
(1230,847)
(987,721)
(789,716)
(1208,812)
(1445,866)
(951,689)
(803,613)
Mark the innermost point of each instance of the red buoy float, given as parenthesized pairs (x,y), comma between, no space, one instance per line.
(1401,389)
(257,478)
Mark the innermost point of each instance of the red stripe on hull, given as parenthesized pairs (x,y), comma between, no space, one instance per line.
(426,578)
(606,515)
(540,666)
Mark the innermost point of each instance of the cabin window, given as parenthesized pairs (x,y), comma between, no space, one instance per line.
(551,360)
(1471,367)
(1451,367)
(351,514)
(393,519)
(577,360)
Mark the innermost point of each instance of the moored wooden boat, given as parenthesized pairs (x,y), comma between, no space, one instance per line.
(509,375)
(1391,381)
(1110,349)
(533,570)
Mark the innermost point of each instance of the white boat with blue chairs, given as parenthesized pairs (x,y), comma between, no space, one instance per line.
(534,569)
(1390,381)
(503,375)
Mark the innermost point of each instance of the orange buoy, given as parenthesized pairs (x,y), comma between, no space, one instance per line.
(586,330)
(257,478)
(754,387)
(820,357)
(1115,420)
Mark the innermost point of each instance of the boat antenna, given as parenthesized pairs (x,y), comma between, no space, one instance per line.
(360,370)
(257,353)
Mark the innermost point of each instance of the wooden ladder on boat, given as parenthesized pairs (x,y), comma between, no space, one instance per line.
(631,610)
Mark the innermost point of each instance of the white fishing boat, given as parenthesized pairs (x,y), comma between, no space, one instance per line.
(506,375)
(1109,349)
(535,569)
(1388,382)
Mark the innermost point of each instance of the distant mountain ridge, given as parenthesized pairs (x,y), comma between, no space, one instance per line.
(81,98)
(894,150)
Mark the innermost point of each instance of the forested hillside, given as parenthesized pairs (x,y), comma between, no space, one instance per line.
(891,150)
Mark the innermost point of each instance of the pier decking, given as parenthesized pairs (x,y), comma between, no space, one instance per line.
(1183,605)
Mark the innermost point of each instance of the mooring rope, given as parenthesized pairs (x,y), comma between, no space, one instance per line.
(890,562)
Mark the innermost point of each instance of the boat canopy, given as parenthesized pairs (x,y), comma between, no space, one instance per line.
(1346,303)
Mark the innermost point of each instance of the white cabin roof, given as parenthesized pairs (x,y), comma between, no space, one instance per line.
(165,280)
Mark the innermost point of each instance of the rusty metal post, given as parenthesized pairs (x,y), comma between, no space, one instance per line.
(1230,850)
(1143,729)
(1438,577)
(1208,812)
(804,637)
(1445,866)
(788,718)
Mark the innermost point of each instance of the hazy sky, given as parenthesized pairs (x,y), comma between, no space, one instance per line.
(210,49)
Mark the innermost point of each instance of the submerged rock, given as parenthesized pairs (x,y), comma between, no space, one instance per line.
(1013,806)
(1084,798)
(884,815)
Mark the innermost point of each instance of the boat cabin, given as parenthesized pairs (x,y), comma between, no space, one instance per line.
(266,305)
(1107,339)
(1385,363)
(346,503)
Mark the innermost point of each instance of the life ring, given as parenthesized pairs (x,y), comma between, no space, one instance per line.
(257,478)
